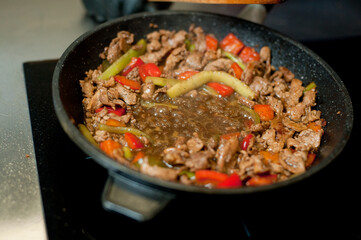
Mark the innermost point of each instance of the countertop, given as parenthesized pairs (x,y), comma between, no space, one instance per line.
(29,30)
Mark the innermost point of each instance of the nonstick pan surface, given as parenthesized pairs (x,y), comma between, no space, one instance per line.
(83,54)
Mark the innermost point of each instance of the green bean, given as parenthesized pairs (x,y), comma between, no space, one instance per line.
(204,77)
(159,81)
(127,153)
(252,114)
(154,104)
(86,133)
(234,59)
(122,130)
(310,86)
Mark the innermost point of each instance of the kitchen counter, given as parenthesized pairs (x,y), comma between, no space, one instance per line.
(30,30)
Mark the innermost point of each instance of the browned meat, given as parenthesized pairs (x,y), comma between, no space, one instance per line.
(127,95)
(148,90)
(225,152)
(180,144)
(280,88)
(307,140)
(119,45)
(101,136)
(221,64)
(295,92)
(245,101)
(249,73)
(195,144)
(251,165)
(194,60)
(311,115)
(159,172)
(273,144)
(296,112)
(309,98)
(293,162)
(99,99)
(199,160)
(287,74)
(155,57)
(176,56)
(261,86)
(276,104)
(265,54)
(124,119)
(87,88)
(298,127)
(153,42)
(134,75)
(200,41)
(178,39)
(210,56)
(173,156)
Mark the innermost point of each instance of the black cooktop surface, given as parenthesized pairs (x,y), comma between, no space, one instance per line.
(326,205)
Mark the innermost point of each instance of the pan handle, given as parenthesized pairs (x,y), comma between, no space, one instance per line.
(133,199)
(256,13)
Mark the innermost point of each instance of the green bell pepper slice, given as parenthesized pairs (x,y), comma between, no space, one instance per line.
(122,130)
(117,66)
(86,133)
(159,81)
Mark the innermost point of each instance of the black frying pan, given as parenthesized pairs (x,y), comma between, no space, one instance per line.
(140,196)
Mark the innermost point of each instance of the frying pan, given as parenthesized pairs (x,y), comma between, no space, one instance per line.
(140,196)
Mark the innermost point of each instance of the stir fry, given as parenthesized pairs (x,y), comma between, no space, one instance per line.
(187,107)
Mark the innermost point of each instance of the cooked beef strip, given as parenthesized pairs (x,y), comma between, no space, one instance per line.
(119,45)
(221,64)
(157,171)
(293,162)
(225,152)
(148,89)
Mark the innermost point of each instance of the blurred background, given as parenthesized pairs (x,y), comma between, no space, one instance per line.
(300,19)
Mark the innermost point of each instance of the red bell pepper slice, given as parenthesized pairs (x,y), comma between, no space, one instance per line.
(262,180)
(209,176)
(310,159)
(222,89)
(227,136)
(237,70)
(127,82)
(187,74)
(231,44)
(133,141)
(211,42)
(270,156)
(118,110)
(249,54)
(109,146)
(149,69)
(233,181)
(264,111)
(140,155)
(246,141)
(114,123)
(134,62)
